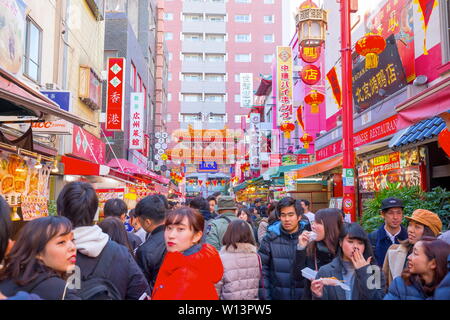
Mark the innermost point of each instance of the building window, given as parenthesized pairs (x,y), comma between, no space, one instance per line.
(243,37)
(133,77)
(192,77)
(215,77)
(269,38)
(168,16)
(168,36)
(169,97)
(190,117)
(215,57)
(237,98)
(193,36)
(192,97)
(268,2)
(192,57)
(268,58)
(237,77)
(243,18)
(215,18)
(269,19)
(193,17)
(243,1)
(243,57)
(33,48)
(216,118)
(169,76)
(170,56)
(214,97)
(215,37)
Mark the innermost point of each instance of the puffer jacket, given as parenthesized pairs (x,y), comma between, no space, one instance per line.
(399,290)
(277,252)
(242,273)
(443,291)
(190,275)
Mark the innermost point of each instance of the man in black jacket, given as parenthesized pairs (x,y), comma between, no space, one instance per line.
(151,213)
(277,252)
(201,205)
(79,203)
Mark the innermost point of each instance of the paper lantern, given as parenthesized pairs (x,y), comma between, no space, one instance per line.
(310,54)
(287,127)
(200,182)
(214,183)
(306,139)
(314,98)
(310,74)
(370,46)
(444,140)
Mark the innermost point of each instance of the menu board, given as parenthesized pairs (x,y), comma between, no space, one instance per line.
(400,168)
(24,186)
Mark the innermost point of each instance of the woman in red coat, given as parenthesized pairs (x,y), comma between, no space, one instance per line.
(189,270)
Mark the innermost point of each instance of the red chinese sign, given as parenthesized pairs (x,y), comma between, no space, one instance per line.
(310,54)
(115,94)
(310,74)
(371,134)
(335,86)
(87,146)
(275,160)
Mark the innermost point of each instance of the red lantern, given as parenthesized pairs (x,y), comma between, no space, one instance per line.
(200,182)
(370,46)
(306,139)
(444,140)
(314,98)
(310,74)
(215,183)
(310,54)
(208,183)
(287,127)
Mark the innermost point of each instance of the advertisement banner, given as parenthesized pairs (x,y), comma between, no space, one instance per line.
(275,160)
(107,194)
(12,36)
(335,86)
(115,94)
(136,121)
(373,85)
(87,146)
(61,97)
(246,80)
(288,159)
(23,185)
(53,127)
(284,85)
(289,181)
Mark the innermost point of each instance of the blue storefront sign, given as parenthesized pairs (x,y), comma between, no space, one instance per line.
(62,98)
(208,166)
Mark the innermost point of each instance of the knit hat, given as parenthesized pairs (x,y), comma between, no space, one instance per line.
(427,218)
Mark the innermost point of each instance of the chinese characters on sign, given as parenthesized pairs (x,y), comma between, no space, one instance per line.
(246,80)
(254,148)
(335,86)
(310,54)
(389,76)
(310,74)
(284,85)
(115,94)
(136,121)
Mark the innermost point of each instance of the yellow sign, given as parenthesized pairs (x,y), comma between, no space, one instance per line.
(164,157)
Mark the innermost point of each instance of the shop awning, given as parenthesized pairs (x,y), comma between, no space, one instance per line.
(424,130)
(319,167)
(77,167)
(283,169)
(428,103)
(22,100)
(128,167)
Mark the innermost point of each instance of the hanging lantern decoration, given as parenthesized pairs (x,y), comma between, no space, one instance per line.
(214,183)
(444,140)
(314,98)
(306,139)
(222,182)
(287,127)
(310,74)
(370,46)
(200,182)
(311,23)
(208,183)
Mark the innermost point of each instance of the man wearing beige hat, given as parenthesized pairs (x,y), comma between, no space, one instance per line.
(422,223)
(226,207)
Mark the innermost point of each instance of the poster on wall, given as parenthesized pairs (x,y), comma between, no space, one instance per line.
(107,194)
(289,181)
(24,186)
(399,168)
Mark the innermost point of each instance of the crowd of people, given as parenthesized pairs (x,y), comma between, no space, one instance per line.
(216,248)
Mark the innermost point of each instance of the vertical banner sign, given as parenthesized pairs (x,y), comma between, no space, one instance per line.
(335,86)
(425,9)
(137,121)
(246,80)
(284,85)
(115,94)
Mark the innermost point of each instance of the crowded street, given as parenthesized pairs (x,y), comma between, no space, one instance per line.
(247,151)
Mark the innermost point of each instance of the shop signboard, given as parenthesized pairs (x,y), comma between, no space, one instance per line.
(284,86)
(289,181)
(12,37)
(275,160)
(60,127)
(136,121)
(246,82)
(62,98)
(373,85)
(400,168)
(87,146)
(288,159)
(115,94)
(23,185)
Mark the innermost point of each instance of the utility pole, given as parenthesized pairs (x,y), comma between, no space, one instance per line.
(348,174)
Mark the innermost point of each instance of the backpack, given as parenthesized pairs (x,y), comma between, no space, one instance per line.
(96,286)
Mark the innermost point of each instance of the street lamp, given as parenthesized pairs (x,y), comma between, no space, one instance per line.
(311,23)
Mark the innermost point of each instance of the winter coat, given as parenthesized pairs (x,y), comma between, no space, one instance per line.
(443,291)
(190,275)
(206,214)
(277,252)
(124,272)
(399,290)
(150,255)
(262,229)
(133,240)
(360,291)
(47,286)
(216,229)
(302,260)
(242,273)
(381,242)
(394,262)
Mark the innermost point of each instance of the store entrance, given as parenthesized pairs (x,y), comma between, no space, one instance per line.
(439,167)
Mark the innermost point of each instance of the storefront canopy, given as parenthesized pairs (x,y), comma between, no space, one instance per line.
(320,167)
(128,167)
(20,100)
(77,167)
(428,103)
(281,170)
